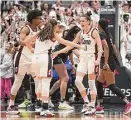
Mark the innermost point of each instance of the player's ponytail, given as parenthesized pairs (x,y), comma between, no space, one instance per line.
(88,16)
(48,31)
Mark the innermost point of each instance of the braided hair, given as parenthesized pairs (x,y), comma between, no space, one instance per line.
(104,25)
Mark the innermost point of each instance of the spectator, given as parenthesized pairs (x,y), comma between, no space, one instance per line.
(125,35)
(22,12)
(52,14)
(125,8)
(95,9)
(63,15)
(77,8)
(128,46)
(45,7)
(6,68)
(70,15)
(57,4)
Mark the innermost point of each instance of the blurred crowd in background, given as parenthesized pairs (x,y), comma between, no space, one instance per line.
(125,33)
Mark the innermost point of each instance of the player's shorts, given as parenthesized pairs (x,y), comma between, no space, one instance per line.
(86,63)
(59,60)
(23,61)
(41,65)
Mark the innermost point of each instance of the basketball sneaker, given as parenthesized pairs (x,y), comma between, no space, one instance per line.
(25,104)
(46,113)
(127,108)
(90,111)
(65,106)
(99,110)
(50,104)
(84,109)
(12,110)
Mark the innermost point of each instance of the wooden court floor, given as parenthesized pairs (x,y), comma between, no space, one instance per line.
(112,112)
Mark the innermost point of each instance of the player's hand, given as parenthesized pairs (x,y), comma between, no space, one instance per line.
(83,47)
(106,67)
(55,54)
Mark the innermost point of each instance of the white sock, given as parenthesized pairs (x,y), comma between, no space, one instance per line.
(92,104)
(12,102)
(98,103)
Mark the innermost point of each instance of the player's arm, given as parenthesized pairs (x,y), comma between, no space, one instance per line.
(106,50)
(65,42)
(27,41)
(24,32)
(66,49)
(96,36)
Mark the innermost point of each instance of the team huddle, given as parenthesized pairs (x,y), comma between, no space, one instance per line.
(42,47)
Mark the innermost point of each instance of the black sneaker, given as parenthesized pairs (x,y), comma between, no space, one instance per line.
(12,110)
(38,103)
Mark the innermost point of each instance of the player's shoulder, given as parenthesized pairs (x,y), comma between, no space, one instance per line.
(25,29)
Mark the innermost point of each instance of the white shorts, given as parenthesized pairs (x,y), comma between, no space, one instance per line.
(41,65)
(86,63)
(23,61)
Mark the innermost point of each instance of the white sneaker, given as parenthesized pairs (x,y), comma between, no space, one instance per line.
(12,110)
(91,110)
(50,104)
(38,110)
(84,109)
(47,113)
(65,106)
(24,104)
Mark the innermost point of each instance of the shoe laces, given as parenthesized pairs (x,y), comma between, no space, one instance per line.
(89,109)
(85,106)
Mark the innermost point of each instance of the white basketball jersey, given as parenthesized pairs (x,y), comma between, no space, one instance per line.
(26,50)
(42,47)
(31,32)
(88,41)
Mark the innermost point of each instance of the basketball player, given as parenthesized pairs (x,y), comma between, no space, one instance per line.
(58,63)
(108,63)
(23,57)
(42,62)
(89,38)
